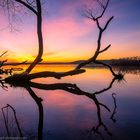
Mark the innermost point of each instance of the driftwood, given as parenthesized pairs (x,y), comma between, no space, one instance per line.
(24,77)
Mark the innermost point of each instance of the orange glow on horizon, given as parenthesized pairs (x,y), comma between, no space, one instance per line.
(67,57)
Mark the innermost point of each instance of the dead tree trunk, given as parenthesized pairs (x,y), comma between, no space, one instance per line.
(40,37)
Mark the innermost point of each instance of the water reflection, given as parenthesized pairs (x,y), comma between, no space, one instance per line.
(6,119)
(74,89)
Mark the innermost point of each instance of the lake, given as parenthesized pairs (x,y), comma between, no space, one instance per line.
(112,114)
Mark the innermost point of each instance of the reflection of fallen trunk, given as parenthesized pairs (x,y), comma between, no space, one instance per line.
(73,88)
(6,120)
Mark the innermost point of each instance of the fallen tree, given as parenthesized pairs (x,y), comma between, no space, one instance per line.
(36,8)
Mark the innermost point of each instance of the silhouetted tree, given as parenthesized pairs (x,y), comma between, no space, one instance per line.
(35,7)
(89,13)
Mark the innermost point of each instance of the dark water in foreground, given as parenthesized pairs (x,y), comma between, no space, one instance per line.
(113,114)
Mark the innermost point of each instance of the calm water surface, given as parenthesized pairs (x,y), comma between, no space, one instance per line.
(69,116)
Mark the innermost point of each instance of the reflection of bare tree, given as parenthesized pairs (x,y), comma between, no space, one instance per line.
(74,89)
(38,101)
(6,119)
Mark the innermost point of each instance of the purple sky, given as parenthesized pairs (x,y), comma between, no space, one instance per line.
(68,36)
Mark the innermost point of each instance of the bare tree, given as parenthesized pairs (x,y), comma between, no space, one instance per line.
(35,7)
(89,13)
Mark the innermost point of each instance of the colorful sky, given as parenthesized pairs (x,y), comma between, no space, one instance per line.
(68,36)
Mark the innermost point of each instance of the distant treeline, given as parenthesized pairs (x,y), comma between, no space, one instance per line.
(127,61)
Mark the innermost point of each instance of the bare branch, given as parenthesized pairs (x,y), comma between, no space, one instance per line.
(108,23)
(3,53)
(27,5)
(2,62)
(104,8)
(105,48)
(104,106)
(113,73)
(98,24)
(88,13)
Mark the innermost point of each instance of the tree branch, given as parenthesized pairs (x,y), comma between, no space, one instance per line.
(3,53)
(107,23)
(27,5)
(104,8)
(104,64)
(105,48)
